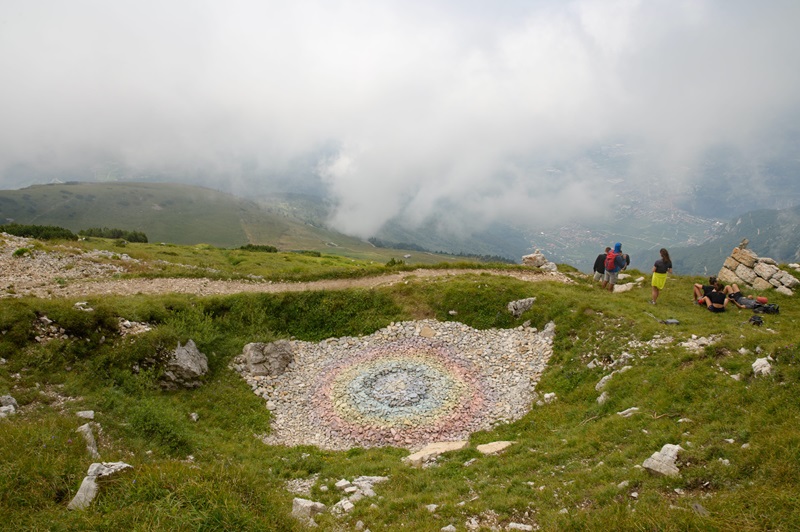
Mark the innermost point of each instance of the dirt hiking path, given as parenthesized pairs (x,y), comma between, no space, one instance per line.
(70,275)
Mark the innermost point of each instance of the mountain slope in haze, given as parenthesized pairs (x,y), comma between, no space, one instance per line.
(186,214)
(772,233)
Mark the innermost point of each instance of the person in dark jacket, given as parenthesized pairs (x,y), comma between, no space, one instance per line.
(716,301)
(702,290)
(600,265)
(620,263)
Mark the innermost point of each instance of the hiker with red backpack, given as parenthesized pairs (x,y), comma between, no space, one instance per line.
(616,261)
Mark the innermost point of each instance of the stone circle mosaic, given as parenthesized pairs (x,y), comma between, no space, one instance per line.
(406,385)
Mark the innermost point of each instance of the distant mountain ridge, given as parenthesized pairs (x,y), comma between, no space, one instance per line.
(771,233)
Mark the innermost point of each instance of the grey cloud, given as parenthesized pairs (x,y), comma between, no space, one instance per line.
(428,105)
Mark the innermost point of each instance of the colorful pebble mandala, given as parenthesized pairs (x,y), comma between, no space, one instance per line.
(405,391)
(406,385)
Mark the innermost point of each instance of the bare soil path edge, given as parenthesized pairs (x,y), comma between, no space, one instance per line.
(206,287)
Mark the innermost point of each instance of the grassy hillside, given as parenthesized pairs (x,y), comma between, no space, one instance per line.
(166,213)
(573,466)
(183,214)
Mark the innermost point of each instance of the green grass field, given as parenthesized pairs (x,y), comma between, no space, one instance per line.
(574,464)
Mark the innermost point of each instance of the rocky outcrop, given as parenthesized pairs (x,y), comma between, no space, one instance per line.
(747,269)
(268,359)
(184,368)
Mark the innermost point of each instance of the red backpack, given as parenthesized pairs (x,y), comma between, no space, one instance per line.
(611,258)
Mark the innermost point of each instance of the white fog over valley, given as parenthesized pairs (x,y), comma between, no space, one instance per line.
(460,113)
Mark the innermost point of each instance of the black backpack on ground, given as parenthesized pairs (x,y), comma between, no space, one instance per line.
(768,308)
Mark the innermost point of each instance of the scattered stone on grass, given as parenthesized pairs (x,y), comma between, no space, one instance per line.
(88,436)
(696,343)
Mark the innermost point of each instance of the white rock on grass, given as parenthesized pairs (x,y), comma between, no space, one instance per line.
(85,414)
(88,436)
(663,462)
(88,490)
(343,484)
(762,366)
(494,447)
(629,412)
(432,450)
(518,526)
(603,398)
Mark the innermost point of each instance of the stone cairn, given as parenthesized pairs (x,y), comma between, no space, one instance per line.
(745,268)
(538,260)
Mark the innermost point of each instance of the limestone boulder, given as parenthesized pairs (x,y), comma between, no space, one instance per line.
(761,284)
(745,256)
(746,274)
(516,308)
(726,276)
(785,291)
(731,264)
(185,367)
(268,358)
(789,281)
(765,271)
(306,509)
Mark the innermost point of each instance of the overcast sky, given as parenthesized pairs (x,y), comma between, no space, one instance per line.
(401,107)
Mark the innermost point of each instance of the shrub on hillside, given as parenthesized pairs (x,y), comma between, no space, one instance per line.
(105,232)
(259,248)
(40,232)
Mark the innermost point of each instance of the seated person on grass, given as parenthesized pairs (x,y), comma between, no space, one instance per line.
(702,290)
(716,301)
(738,298)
